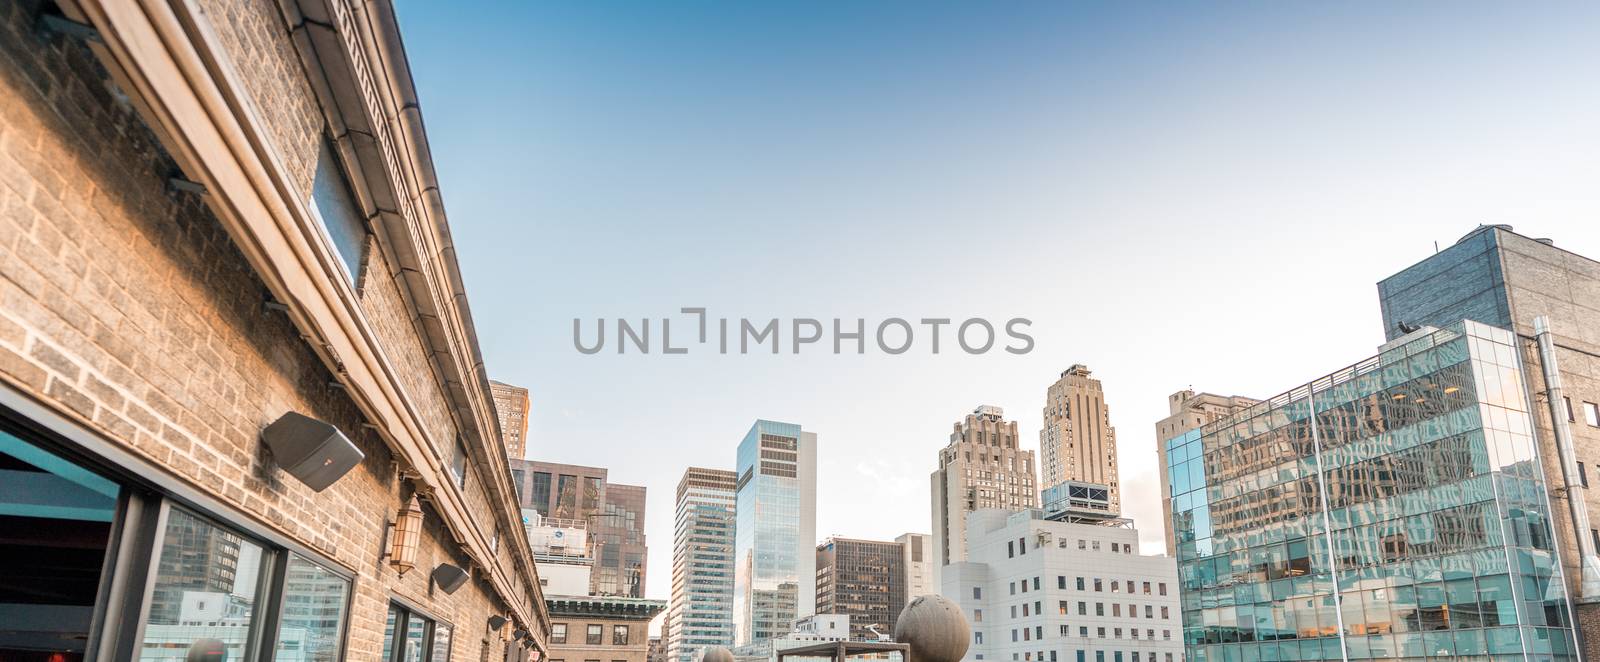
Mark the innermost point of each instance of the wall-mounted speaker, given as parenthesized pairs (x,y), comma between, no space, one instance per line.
(496,621)
(449,577)
(312,451)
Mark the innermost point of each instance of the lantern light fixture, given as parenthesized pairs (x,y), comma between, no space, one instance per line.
(405,535)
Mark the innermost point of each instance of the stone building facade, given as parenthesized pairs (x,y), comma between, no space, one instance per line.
(1076,442)
(601,629)
(511,405)
(213,214)
(982,467)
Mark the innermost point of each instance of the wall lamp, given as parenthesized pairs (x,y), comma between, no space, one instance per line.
(403,536)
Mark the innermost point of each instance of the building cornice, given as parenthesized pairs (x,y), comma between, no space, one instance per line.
(165,55)
(605,607)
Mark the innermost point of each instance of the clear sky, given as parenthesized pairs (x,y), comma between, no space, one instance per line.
(1176,195)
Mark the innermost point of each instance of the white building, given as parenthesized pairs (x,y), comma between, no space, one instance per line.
(917,559)
(814,629)
(560,551)
(1047,591)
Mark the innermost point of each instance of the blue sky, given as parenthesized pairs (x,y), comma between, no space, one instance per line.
(1176,195)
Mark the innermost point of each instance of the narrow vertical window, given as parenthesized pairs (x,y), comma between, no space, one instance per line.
(335,206)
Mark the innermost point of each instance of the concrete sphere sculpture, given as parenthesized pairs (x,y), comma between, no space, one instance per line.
(935,629)
(716,654)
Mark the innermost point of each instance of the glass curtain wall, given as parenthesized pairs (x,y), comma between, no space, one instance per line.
(1421,462)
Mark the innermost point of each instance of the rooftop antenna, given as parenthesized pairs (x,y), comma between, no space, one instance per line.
(1436,247)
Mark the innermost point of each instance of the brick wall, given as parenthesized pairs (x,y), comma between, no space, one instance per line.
(126,306)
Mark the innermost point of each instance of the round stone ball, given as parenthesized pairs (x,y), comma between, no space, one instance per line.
(935,629)
(717,654)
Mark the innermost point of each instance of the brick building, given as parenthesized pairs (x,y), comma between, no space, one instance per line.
(601,629)
(511,406)
(215,214)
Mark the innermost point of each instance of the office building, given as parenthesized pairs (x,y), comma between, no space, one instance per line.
(1077,444)
(611,513)
(916,559)
(511,406)
(700,613)
(862,579)
(1396,508)
(218,218)
(1188,410)
(775,570)
(1504,279)
(1036,589)
(610,628)
(980,468)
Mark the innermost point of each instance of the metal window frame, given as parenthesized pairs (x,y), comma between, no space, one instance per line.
(408,609)
(148,493)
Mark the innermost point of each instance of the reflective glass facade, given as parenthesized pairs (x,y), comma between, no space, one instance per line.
(1421,463)
(775,511)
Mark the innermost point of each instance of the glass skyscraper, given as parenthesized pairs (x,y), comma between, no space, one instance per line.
(775,576)
(1421,463)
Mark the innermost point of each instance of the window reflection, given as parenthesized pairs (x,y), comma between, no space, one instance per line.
(312,623)
(204,594)
(1423,464)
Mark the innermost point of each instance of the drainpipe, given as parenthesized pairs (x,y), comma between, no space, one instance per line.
(1589,585)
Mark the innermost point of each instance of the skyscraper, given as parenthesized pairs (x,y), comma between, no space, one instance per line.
(916,558)
(774,539)
(862,579)
(701,611)
(1504,279)
(1395,508)
(511,408)
(1077,443)
(980,468)
(1188,410)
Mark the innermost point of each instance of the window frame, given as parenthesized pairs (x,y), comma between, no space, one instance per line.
(330,148)
(147,497)
(410,609)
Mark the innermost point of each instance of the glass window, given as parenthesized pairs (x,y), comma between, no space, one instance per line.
(541,493)
(420,638)
(335,206)
(592,636)
(205,590)
(458,464)
(314,603)
(441,643)
(619,635)
(558,633)
(56,522)
(1591,414)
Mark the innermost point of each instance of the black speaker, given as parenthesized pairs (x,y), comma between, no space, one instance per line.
(496,621)
(314,452)
(449,577)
